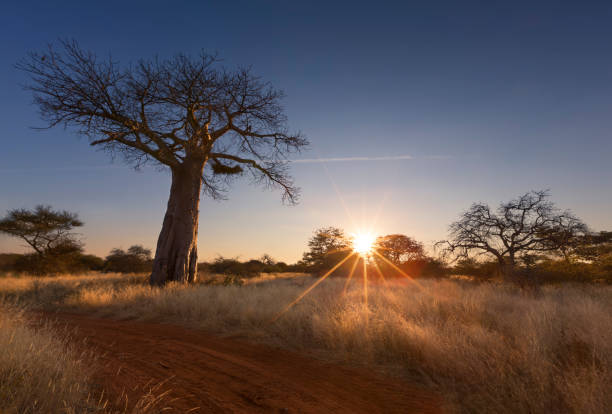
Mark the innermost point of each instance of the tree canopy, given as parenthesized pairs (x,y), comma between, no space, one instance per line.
(42,228)
(529,224)
(167,111)
(136,259)
(325,241)
(399,248)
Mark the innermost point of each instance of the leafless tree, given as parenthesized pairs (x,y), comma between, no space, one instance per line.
(202,122)
(399,248)
(529,224)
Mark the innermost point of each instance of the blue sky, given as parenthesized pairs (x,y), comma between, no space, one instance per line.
(417,109)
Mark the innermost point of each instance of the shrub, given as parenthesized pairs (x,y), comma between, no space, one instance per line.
(137,259)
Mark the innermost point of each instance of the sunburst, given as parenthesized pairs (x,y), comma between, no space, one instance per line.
(363,243)
(363,250)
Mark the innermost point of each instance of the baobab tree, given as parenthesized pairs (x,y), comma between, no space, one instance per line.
(529,224)
(203,123)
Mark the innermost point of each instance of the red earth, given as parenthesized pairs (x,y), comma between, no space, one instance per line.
(204,373)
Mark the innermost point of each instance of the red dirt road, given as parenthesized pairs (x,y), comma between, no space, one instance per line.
(220,375)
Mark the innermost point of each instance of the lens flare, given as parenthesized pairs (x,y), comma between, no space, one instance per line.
(363,243)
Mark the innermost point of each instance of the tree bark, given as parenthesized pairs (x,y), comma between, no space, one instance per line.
(176,256)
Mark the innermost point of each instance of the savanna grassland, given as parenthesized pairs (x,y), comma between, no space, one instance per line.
(484,347)
(41,371)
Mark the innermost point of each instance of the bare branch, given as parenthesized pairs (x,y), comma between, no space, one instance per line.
(522,226)
(272,171)
(166,111)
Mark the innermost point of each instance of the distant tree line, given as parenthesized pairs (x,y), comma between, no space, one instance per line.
(526,240)
(249,268)
(589,260)
(57,248)
(393,255)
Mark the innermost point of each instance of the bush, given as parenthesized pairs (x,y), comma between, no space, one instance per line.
(558,271)
(7,262)
(479,270)
(62,258)
(38,265)
(225,266)
(137,259)
(251,268)
(91,262)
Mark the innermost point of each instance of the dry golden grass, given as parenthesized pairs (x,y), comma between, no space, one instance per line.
(39,371)
(486,348)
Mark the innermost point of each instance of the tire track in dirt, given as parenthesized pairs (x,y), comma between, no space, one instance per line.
(209,374)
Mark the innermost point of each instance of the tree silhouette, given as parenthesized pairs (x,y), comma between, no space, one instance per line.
(202,122)
(529,224)
(399,248)
(267,259)
(323,245)
(43,229)
(136,259)
(50,234)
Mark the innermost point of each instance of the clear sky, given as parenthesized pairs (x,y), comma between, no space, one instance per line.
(439,104)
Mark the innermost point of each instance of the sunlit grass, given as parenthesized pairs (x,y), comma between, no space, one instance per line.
(485,348)
(39,371)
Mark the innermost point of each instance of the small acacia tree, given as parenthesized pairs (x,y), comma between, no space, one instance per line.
(399,248)
(43,229)
(50,234)
(527,225)
(202,122)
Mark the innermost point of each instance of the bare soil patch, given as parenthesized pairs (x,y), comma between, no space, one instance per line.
(209,374)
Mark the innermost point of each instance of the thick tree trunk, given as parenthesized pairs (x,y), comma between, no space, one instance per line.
(176,256)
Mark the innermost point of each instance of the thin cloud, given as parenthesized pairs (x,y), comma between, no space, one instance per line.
(438,157)
(385,158)
(348,159)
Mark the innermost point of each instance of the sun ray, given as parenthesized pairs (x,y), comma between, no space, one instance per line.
(365,283)
(376,216)
(377,268)
(350,276)
(363,243)
(337,191)
(322,278)
(400,271)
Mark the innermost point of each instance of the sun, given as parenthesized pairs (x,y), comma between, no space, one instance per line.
(363,243)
